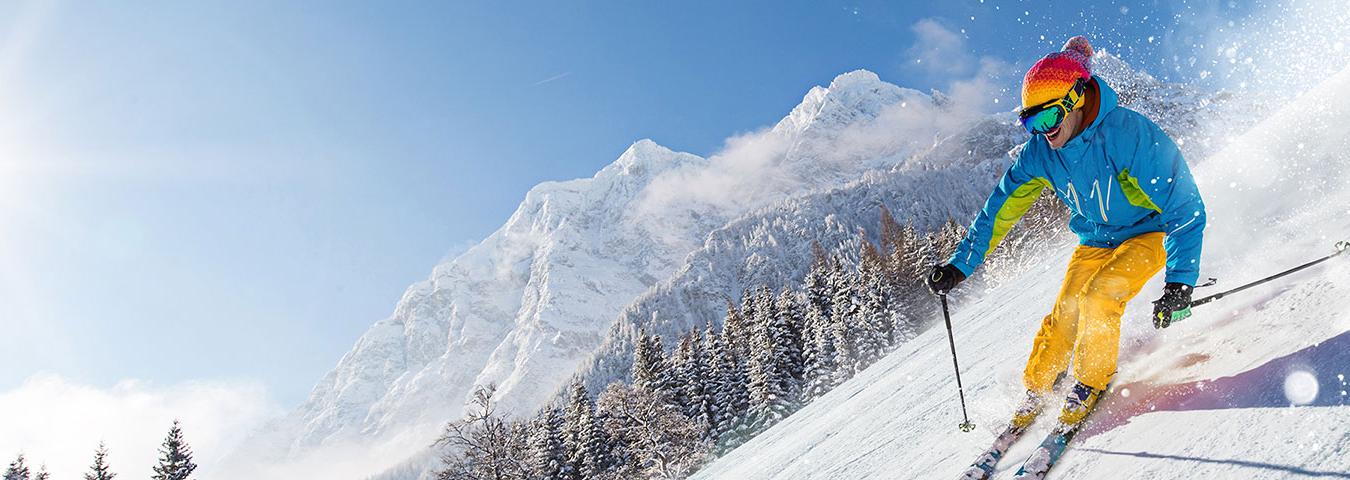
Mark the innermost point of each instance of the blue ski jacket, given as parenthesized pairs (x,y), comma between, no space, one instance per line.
(1122,176)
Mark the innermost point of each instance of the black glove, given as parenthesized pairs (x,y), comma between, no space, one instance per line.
(1174,305)
(944,278)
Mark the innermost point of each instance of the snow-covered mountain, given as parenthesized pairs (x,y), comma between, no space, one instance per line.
(527,306)
(1253,386)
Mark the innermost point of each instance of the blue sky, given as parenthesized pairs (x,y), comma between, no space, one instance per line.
(236,190)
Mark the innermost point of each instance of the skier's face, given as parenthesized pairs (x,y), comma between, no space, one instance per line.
(1066,131)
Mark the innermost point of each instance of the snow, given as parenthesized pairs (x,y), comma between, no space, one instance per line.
(1211,397)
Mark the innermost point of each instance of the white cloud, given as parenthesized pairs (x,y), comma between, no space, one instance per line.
(736,178)
(940,51)
(59,422)
(972,81)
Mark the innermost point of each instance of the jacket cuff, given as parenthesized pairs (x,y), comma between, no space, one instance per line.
(965,269)
(1182,277)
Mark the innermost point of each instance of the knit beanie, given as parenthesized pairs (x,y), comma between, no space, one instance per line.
(1053,76)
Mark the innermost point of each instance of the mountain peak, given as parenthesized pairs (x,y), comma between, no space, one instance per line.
(642,157)
(855,80)
(859,93)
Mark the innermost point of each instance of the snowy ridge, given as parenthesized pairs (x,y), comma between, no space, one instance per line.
(1208,398)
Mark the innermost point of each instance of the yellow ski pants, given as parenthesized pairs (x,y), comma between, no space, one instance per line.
(1085,322)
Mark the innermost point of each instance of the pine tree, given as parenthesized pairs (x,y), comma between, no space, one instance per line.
(822,375)
(844,322)
(713,386)
(587,455)
(100,469)
(736,331)
(645,363)
(733,398)
(892,234)
(792,357)
(874,332)
(648,366)
(42,474)
(18,470)
(816,356)
(692,378)
(546,445)
(765,377)
(175,460)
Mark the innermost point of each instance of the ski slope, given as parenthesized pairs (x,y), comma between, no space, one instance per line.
(1253,386)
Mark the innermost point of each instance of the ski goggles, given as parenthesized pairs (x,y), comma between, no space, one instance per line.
(1046,117)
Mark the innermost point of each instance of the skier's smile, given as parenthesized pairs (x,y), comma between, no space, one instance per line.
(1053,134)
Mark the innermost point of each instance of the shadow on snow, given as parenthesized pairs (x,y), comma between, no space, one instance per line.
(1262,387)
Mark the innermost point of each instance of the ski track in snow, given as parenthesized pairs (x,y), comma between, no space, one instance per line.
(1207,398)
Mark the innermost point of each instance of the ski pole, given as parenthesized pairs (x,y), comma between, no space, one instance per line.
(1341,246)
(965,426)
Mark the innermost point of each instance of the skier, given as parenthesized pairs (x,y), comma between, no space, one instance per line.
(1135,207)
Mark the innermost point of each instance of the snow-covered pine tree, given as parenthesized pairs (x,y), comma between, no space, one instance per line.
(912,300)
(735,331)
(892,233)
(844,323)
(576,431)
(948,237)
(100,469)
(663,379)
(679,372)
(42,474)
(743,332)
(649,369)
(18,469)
(817,357)
(873,326)
(821,365)
(175,456)
(587,451)
(908,258)
(766,379)
(548,453)
(692,381)
(733,397)
(792,359)
(714,399)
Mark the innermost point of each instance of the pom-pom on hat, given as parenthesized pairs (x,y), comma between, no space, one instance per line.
(1053,76)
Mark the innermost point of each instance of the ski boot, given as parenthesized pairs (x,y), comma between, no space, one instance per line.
(1080,402)
(1030,407)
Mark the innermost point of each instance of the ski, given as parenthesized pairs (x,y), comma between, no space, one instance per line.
(1052,448)
(1045,456)
(983,468)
